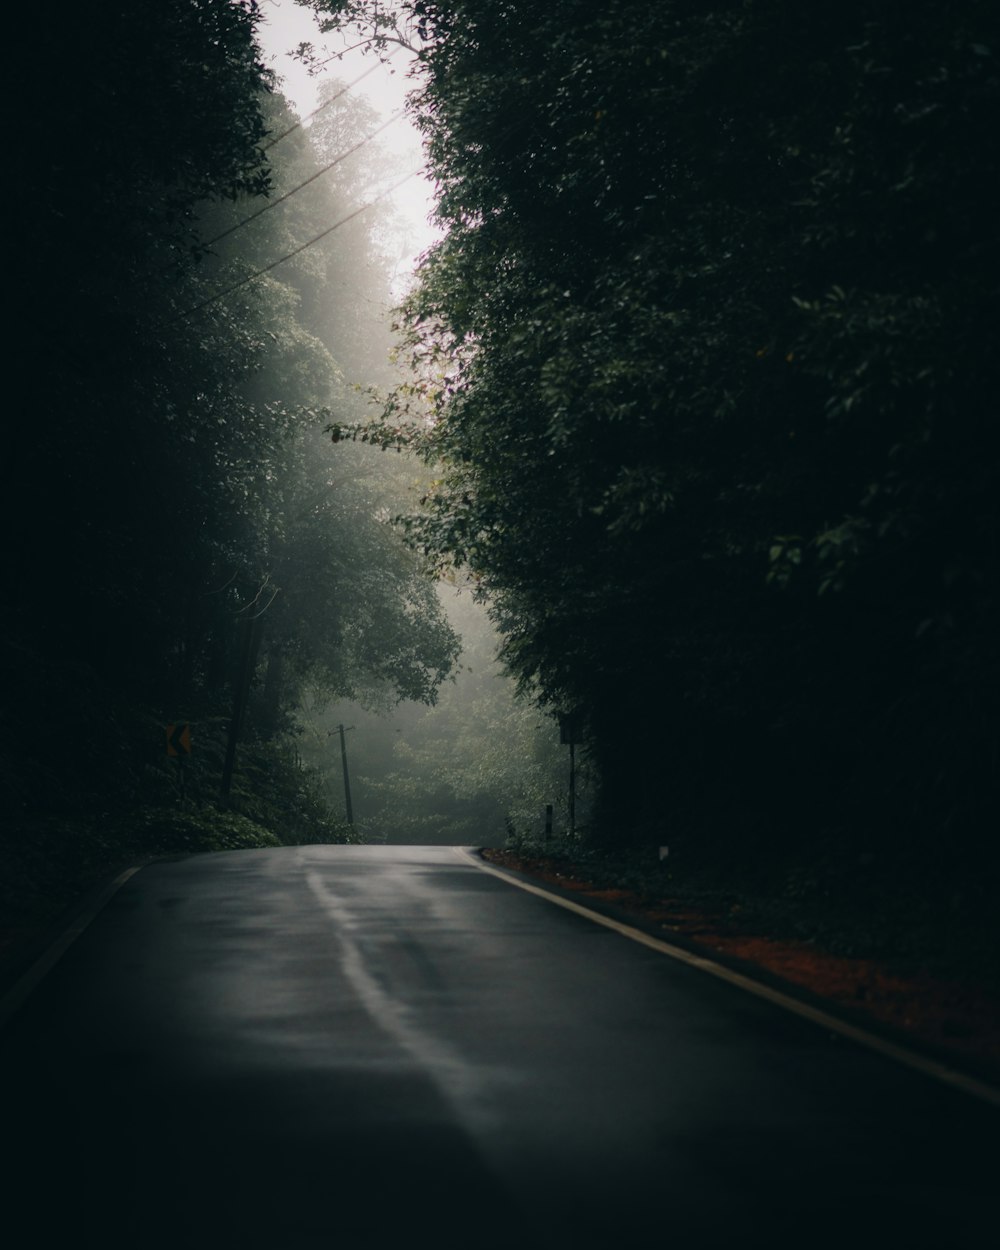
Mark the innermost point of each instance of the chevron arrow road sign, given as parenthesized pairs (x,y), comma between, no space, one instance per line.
(179,739)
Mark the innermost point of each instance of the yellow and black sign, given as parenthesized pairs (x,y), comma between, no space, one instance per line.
(179,739)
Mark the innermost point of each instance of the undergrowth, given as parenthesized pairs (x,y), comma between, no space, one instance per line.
(913,912)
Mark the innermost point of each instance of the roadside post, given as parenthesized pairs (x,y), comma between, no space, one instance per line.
(569,735)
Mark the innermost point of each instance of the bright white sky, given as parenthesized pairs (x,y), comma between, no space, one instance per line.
(285,26)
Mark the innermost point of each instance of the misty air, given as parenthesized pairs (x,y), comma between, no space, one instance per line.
(499,661)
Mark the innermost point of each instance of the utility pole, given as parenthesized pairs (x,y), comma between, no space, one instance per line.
(347,780)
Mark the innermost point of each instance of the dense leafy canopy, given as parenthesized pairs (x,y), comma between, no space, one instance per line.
(168,480)
(703,368)
(706,356)
(477,768)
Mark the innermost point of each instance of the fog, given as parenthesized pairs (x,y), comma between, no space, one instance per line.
(478,767)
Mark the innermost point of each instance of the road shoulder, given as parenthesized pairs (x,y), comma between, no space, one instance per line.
(974,1069)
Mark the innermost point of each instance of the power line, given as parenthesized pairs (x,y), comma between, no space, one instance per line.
(312,178)
(288,255)
(326,104)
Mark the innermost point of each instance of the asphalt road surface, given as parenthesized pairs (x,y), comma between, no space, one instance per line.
(375,1046)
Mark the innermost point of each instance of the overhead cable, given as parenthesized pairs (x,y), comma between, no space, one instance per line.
(326,103)
(295,252)
(312,178)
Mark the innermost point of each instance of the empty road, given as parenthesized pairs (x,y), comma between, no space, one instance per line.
(355,1047)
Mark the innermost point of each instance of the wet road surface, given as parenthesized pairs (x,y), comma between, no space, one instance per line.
(365,1046)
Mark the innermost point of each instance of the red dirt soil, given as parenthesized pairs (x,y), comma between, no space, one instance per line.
(958,1019)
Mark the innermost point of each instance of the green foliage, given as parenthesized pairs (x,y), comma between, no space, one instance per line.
(167,831)
(167,477)
(477,762)
(703,362)
(174,464)
(86,786)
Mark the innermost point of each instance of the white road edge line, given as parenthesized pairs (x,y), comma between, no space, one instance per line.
(900,1054)
(22,987)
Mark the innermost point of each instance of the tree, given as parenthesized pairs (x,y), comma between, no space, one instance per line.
(703,351)
(347,608)
(474,767)
(169,477)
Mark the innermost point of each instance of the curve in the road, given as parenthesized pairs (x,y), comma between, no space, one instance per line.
(834,1024)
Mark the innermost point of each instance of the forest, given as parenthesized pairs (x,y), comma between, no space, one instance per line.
(693,398)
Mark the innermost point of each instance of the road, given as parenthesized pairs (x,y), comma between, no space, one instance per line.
(362,1046)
